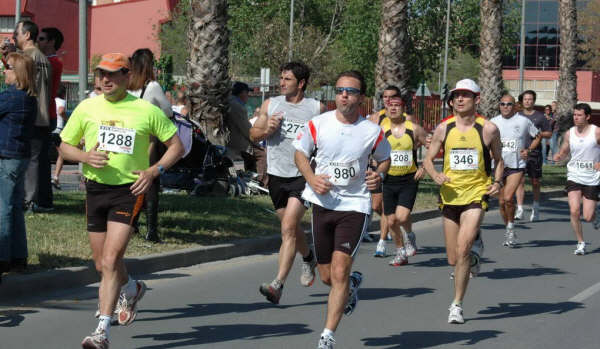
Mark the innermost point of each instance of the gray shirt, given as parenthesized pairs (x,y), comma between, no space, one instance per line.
(43,80)
(515,132)
(542,124)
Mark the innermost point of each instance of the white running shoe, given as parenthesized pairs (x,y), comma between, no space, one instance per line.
(535,215)
(410,244)
(399,259)
(456,315)
(308,272)
(356,278)
(580,250)
(519,213)
(326,342)
(380,250)
(389,236)
(511,238)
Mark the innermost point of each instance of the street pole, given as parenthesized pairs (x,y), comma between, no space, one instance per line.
(17,11)
(444,110)
(522,48)
(83,65)
(291,30)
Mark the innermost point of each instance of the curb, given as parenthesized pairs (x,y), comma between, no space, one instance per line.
(24,285)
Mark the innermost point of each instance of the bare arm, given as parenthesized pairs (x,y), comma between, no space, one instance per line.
(434,149)
(373,178)
(564,148)
(170,157)
(93,157)
(318,183)
(421,139)
(264,126)
(536,141)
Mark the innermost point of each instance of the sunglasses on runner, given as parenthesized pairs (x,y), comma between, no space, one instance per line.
(351,91)
(509,104)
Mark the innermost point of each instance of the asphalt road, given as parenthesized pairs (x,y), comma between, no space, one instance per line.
(538,295)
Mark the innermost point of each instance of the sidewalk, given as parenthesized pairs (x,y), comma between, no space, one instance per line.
(24,285)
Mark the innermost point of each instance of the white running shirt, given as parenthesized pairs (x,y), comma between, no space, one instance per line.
(342,151)
(280,151)
(515,134)
(585,151)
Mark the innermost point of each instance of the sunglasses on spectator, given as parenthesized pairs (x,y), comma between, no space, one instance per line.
(351,91)
(509,104)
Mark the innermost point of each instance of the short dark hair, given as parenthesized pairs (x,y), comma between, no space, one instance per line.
(357,75)
(528,92)
(28,26)
(239,87)
(54,34)
(300,71)
(61,92)
(585,107)
(392,88)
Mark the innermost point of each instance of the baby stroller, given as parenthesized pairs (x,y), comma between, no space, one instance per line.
(204,168)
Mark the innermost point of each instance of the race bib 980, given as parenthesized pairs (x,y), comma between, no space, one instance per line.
(401,158)
(464,159)
(290,127)
(116,139)
(341,173)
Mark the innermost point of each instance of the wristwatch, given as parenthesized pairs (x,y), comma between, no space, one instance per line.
(382,175)
(161,170)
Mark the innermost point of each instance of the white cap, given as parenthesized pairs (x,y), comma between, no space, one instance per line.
(466,85)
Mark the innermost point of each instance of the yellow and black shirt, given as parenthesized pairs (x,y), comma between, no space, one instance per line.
(404,154)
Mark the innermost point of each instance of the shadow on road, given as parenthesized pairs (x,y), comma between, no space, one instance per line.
(223,333)
(547,243)
(514,273)
(13,318)
(381,293)
(431,249)
(160,276)
(510,310)
(426,339)
(208,309)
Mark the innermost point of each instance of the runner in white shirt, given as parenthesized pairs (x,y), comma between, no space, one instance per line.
(515,132)
(280,120)
(582,142)
(341,142)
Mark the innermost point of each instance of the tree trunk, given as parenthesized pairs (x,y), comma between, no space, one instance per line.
(490,61)
(208,68)
(392,67)
(567,80)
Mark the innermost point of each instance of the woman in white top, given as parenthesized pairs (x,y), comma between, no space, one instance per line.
(143,84)
(582,142)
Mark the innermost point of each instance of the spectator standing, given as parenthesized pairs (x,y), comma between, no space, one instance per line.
(61,120)
(546,141)
(237,120)
(38,190)
(18,110)
(143,84)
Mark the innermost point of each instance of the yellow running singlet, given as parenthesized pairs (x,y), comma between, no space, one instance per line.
(403,155)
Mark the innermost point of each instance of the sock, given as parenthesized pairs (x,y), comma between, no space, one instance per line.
(327,332)
(536,205)
(104,324)
(457,303)
(277,284)
(130,288)
(510,225)
(308,257)
(401,251)
(381,241)
(520,207)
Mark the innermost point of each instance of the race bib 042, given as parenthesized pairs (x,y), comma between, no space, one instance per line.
(291,127)
(401,158)
(464,159)
(342,173)
(116,139)
(509,145)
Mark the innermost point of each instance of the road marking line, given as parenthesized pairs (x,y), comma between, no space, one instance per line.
(585,294)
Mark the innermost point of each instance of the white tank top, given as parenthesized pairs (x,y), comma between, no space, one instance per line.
(585,151)
(280,152)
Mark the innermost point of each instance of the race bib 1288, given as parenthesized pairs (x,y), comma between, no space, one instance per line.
(116,139)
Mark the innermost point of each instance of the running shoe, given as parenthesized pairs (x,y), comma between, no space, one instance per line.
(127,308)
(510,238)
(519,213)
(326,342)
(113,320)
(535,215)
(456,315)
(399,259)
(452,275)
(476,253)
(388,237)
(596,222)
(380,250)
(356,279)
(367,237)
(580,250)
(55,183)
(97,340)
(410,244)
(272,293)
(308,273)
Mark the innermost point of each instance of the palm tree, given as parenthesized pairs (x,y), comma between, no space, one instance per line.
(490,61)
(208,68)
(392,63)
(567,80)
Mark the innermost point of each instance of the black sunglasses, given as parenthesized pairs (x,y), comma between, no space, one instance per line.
(509,104)
(351,91)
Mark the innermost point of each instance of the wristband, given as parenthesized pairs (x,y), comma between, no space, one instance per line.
(499,183)
(382,175)
(161,170)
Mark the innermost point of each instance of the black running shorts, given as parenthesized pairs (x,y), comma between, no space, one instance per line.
(113,203)
(534,166)
(510,171)
(336,231)
(282,188)
(453,212)
(399,191)
(589,192)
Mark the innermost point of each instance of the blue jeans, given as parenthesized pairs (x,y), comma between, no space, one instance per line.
(554,144)
(13,239)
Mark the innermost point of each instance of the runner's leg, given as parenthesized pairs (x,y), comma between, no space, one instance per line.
(470,221)
(292,237)
(520,193)
(113,268)
(589,209)
(341,264)
(575,210)
(512,184)
(450,238)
